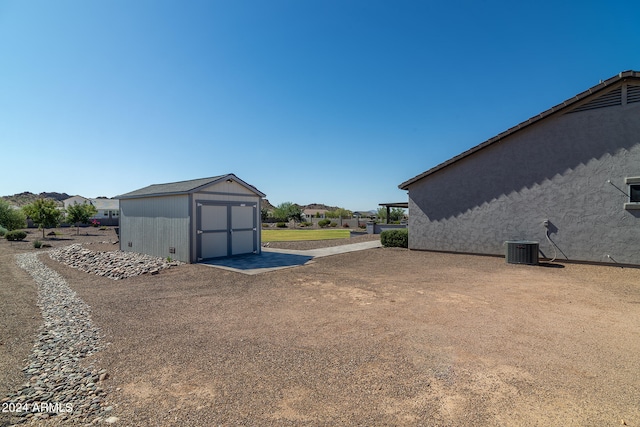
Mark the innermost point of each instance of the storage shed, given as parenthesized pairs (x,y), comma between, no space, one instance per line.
(192,221)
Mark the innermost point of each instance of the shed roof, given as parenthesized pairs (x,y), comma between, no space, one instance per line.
(562,106)
(184,187)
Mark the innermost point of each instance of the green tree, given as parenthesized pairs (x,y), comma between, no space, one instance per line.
(330,214)
(80,213)
(44,213)
(264,214)
(343,213)
(10,218)
(287,211)
(395,214)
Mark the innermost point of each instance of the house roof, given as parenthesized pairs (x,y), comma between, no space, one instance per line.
(106,204)
(184,187)
(602,86)
(100,204)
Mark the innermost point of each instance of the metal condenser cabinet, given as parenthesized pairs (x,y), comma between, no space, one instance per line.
(522,252)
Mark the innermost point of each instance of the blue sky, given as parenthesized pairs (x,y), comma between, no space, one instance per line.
(332,102)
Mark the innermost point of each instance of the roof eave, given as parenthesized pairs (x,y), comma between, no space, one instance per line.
(194,189)
(551,111)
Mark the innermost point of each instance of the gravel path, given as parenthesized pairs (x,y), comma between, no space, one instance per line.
(58,384)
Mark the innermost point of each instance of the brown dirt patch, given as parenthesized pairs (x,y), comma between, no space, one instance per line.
(378,337)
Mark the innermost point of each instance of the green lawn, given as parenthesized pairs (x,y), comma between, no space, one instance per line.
(284,235)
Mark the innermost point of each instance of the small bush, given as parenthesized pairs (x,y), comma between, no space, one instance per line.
(265,225)
(345,225)
(37,244)
(306,224)
(323,223)
(15,235)
(398,238)
(3,231)
(333,224)
(281,225)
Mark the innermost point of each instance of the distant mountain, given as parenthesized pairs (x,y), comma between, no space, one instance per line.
(22,199)
(315,206)
(319,206)
(25,198)
(266,205)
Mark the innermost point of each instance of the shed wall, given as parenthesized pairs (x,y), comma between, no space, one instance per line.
(155,224)
(556,169)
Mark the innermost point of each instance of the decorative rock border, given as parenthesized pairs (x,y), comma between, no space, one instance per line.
(114,265)
(58,386)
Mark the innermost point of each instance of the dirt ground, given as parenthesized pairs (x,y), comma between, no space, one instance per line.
(377,337)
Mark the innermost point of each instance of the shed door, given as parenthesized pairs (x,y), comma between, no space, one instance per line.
(226,228)
(243,229)
(213,231)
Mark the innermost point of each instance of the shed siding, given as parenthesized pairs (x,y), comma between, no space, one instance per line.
(556,169)
(155,224)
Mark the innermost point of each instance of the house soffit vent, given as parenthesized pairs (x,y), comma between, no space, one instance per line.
(633,93)
(610,99)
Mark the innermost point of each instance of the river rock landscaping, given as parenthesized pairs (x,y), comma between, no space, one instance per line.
(114,265)
(58,384)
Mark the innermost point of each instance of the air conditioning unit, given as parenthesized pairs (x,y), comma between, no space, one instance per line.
(522,252)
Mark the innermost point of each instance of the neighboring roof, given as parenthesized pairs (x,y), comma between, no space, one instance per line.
(106,204)
(75,199)
(100,204)
(404,205)
(560,107)
(184,187)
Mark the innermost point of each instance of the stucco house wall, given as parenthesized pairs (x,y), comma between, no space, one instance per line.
(568,168)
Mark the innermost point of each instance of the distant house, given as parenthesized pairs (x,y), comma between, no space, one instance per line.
(315,213)
(568,178)
(108,209)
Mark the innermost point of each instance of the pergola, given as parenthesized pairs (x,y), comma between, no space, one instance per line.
(404,205)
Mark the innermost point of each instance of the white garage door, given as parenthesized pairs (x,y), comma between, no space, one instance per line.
(225,229)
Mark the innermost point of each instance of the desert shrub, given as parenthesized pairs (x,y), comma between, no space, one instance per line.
(333,224)
(37,244)
(3,231)
(323,223)
(398,238)
(15,235)
(345,225)
(306,224)
(281,225)
(10,218)
(265,225)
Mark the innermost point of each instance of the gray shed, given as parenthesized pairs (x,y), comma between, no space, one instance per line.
(192,221)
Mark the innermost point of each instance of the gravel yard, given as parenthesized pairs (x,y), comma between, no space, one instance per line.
(377,337)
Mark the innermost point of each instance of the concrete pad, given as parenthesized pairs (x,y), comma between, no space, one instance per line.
(272,259)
